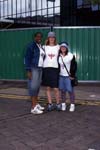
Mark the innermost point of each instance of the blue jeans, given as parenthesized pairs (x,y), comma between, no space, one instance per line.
(65,86)
(35,83)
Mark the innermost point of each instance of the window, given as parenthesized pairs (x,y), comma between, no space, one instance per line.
(86,4)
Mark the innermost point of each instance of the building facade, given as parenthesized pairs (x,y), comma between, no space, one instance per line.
(79,13)
(33,13)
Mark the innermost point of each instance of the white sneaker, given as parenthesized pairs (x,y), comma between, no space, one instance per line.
(72,108)
(36,111)
(63,108)
(40,107)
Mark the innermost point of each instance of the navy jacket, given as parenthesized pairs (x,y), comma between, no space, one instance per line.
(32,56)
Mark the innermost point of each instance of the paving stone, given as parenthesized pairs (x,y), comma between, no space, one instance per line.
(20,130)
(6,147)
(20,146)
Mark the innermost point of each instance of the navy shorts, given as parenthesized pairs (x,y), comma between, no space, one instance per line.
(35,83)
(65,84)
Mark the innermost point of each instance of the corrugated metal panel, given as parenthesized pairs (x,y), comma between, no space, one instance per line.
(12,49)
(85,44)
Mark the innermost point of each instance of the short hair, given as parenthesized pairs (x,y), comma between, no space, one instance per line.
(37,34)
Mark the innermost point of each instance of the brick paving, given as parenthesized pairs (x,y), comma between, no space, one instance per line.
(82,92)
(21,130)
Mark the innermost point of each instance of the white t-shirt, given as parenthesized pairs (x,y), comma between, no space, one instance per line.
(42,53)
(67,61)
(51,56)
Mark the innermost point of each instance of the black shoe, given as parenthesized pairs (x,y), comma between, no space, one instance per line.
(50,107)
(58,107)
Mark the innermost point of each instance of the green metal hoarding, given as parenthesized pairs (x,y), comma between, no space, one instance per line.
(12,49)
(84,42)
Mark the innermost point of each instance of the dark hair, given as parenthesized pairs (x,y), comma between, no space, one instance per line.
(66,48)
(37,34)
(65,52)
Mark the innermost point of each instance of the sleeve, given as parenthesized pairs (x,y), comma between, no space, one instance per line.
(28,57)
(73,68)
(70,56)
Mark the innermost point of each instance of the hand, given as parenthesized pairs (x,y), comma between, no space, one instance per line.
(29,75)
(71,78)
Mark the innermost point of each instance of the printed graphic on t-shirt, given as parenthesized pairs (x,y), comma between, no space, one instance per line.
(62,66)
(51,55)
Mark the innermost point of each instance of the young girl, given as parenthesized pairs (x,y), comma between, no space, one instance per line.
(65,59)
(51,70)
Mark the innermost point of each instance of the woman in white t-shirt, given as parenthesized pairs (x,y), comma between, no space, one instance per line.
(65,59)
(51,70)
